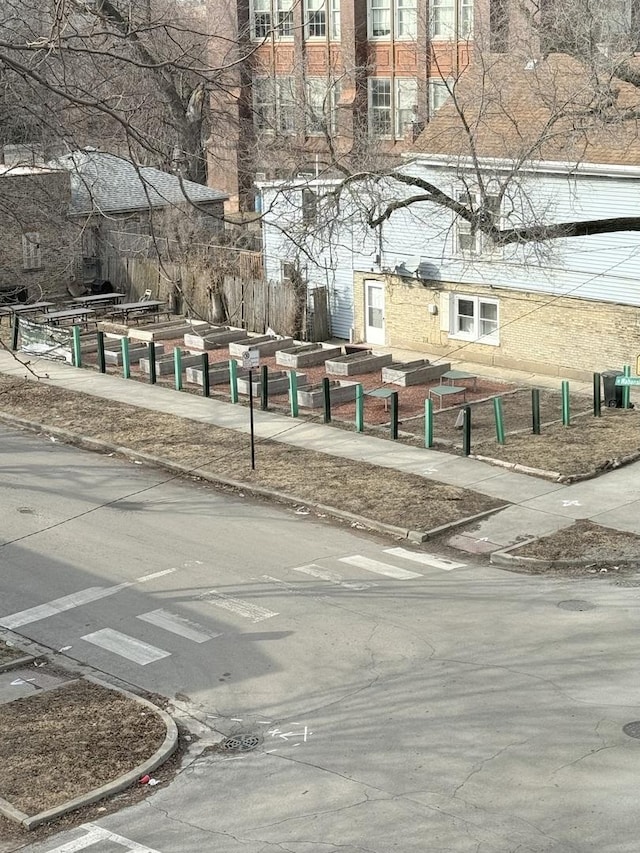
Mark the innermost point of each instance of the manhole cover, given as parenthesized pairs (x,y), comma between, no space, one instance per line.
(576,604)
(632,729)
(241,743)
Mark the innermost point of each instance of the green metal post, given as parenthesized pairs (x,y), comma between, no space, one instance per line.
(233,379)
(566,411)
(597,397)
(393,408)
(535,410)
(626,389)
(264,387)
(326,393)
(466,430)
(102,365)
(177,367)
(499,418)
(152,362)
(359,408)
(293,393)
(77,349)
(206,385)
(428,423)
(126,361)
(15,330)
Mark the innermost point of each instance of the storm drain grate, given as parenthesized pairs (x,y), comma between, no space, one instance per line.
(241,743)
(576,604)
(632,729)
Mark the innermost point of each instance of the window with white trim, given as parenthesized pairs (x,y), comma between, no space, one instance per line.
(451,19)
(274,104)
(315,19)
(31,251)
(438,94)
(392,19)
(334,10)
(391,108)
(321,106)
(271,17)
(469,240)
(474,318)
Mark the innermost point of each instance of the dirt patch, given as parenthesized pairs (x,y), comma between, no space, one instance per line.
(584,540)
(9,653)
(390,497)
(59,744)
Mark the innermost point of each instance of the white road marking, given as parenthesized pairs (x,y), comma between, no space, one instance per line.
(316,571)
(126,646)
(94,834)
(177,625)
(155,575)
(235,605)
(59,605)
(379,568)
(425,559)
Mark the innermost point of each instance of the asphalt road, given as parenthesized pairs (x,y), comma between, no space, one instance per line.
(400,704)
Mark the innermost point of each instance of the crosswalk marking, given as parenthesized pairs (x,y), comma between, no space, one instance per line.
(379,568)
(237,606)
(177,625)
(59,605)
(316,571)
(425,559)
(95,834)
(126,646)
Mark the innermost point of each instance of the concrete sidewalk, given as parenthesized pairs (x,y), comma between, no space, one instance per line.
(539,507)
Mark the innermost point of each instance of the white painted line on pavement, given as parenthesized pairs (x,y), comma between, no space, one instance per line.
(177,625)
(235,605)
(155,575)
(94,834)
(316,571)
(379,568)
(425,559)
(59,605)
(126,646)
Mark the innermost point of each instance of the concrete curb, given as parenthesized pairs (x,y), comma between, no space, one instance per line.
(506,559)
(16,663)
(164,752)
(554,476)
(87,443)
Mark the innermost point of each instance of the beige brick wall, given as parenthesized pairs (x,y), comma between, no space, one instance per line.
(538,332)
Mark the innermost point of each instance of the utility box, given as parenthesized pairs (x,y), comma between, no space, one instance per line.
(612,392)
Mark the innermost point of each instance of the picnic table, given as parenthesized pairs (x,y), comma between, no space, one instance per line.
(459,376)
(99,300)
(81,314)
(381,393)
(24,308)
(142,307)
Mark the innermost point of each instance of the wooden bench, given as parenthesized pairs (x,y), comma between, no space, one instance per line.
(441,391)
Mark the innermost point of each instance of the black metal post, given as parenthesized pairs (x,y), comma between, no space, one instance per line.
(14,332)
(535,410)
(152,362)
(326,392)
(206,384)
(102,364)
(264,387)
(393,400)
(251,429)
(466,430)
(597,399)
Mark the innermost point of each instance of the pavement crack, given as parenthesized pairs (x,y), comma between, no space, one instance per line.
(478,767)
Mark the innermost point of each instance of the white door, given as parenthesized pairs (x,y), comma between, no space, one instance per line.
(374,312)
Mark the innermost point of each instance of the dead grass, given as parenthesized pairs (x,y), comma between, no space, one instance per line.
(584,540)
(8,653)
(59,744)
(390,497)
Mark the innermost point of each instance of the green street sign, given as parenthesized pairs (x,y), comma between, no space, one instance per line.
(627,380)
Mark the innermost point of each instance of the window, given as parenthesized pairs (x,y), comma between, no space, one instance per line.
(31,251)
(391,108)
(475,318)
(321,106)
(451,19)
(438,94)
(315,19)
(309,207)
(271,17)
(335,19)
(470,241)
(390,19)
(274,104)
